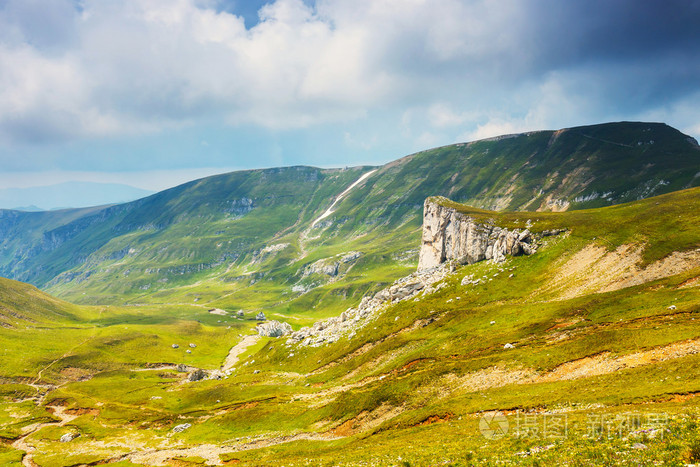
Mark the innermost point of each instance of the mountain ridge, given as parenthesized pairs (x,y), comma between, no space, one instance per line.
(210,229)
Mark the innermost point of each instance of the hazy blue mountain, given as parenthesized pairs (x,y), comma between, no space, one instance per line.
(68,195)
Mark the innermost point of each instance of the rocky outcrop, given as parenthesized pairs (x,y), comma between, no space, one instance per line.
(197,375)
(332,329)
(451,235)
(330,266)
(273,329)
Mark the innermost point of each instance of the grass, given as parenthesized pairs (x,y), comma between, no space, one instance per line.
(424,376)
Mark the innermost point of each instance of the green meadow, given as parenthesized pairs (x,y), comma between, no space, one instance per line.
(620,368)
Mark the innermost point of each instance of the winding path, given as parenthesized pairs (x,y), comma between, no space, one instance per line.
(21,442)
(237,350)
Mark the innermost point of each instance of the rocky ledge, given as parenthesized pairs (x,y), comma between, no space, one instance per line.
(451,235)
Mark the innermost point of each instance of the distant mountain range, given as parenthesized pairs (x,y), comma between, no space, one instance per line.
(68,195)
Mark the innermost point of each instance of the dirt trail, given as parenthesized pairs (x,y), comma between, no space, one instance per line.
(21,442)
(212,452)
(237,350)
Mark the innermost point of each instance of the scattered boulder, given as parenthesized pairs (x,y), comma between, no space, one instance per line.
(273,329)
(181,428)
(175,346)
(260,316)
(193,345)
(239,313)
(197,375)
(509,346)
(182,368)
(321,267)
(672,307)
(68,437)
(553,232)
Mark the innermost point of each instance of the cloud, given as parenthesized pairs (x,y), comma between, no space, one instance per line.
(108,68)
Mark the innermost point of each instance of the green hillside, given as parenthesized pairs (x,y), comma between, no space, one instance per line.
(244,239)
(603,369)
(23,305)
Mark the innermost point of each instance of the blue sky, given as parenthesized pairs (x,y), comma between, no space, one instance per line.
(157,92)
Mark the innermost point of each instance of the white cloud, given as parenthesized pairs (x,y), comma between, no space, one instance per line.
(141,65)
(442,115)
(454,67)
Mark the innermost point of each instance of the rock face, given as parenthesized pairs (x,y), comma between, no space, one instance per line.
(450,235)
(273,329)
(330,266)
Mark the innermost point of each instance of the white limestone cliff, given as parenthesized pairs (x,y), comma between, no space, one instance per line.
(451,235)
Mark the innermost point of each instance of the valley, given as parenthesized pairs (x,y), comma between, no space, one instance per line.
(531,299)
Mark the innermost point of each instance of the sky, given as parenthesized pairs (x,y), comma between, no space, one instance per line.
(153,93)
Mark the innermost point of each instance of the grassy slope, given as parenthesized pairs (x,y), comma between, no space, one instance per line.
(24,305)
(423,372)
(194,244)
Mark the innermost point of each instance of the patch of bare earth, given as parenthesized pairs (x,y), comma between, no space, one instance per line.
(694,282)
(366,420)
(586,367)
(76,374)
(212,452)
(594,269)
(604,363)
(675,263)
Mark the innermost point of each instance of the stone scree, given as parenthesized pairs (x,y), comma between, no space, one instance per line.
(332,329)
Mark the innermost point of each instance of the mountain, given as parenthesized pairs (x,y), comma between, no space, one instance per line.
(585,351)
(249,239)
(68,194)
